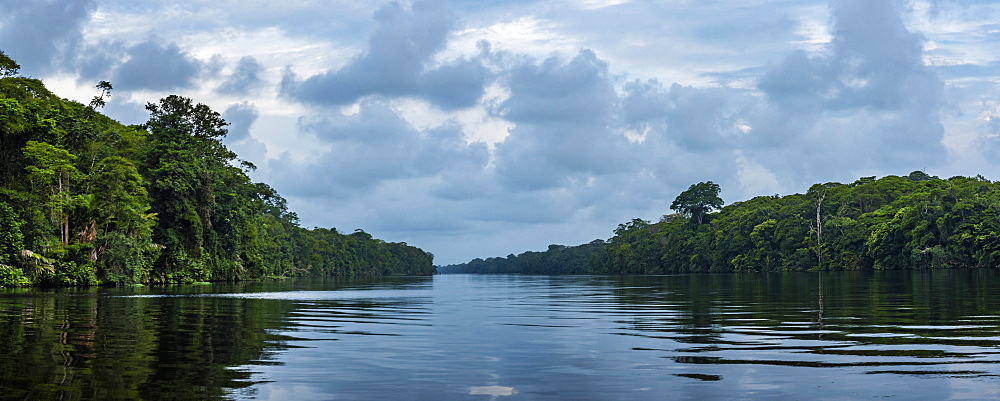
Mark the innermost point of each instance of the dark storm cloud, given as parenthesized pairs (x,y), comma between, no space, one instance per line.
(398,62)
(155,65)
(43,35)
(244,79)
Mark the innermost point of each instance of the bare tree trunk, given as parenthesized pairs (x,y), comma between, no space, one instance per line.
(819,232)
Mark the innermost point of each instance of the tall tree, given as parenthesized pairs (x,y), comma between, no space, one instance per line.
(698,200)
(185,155)
(98,101)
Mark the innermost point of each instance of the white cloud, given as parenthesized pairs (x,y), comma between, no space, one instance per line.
(529,35)
(755,178)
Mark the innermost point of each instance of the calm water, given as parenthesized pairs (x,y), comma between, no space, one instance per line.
(903,335)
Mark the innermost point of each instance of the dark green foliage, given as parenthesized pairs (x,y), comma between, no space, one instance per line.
(8,67)
(85,200)
(557,259)
(912,222)
(11,243)
(11,239)
(328,252)
(120,213)
(698,200)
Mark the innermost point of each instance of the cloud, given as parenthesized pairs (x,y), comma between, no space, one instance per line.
(564,113)
(99,62)
(875,62)
(586,145)
(373,146)
(43,35)
(244,79)
(399,61)
(868,102)
(455,85)
(154,65)
(240,117)
(703,120)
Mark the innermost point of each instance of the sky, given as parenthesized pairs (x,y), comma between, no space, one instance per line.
(480,128)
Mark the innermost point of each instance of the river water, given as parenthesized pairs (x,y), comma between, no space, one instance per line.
(837,336)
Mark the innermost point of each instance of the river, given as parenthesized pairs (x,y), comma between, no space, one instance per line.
(930,335)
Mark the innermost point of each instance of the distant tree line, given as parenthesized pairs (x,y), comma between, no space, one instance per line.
(86,200)
(557,259)
(912,222)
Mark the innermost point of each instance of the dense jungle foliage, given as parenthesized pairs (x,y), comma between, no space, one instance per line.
(911,222)
(86,200)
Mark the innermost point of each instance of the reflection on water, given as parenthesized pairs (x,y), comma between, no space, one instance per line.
(844,335)
(491,390)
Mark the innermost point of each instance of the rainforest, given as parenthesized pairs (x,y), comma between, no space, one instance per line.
(915,221)
(85,200)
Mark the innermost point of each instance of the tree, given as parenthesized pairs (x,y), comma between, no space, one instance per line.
(185,158)
(121,221)
(84,199)
(11,240)
(819,230)
(98,101)
(52,173)
(11,243)
(177,117)
(920,176)
(8,67)
(698,200)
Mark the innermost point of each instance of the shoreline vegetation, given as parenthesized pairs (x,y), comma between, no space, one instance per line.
(85,200)
(891,223)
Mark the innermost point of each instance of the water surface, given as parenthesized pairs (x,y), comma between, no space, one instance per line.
(840,335)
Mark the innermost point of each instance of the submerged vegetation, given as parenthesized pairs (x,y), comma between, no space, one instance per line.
(86,200)
(912,222)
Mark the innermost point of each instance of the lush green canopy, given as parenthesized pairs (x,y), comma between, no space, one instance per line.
(86,200)
(911,222)
(698,200)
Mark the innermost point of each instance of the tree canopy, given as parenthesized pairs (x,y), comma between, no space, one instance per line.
(86,200)
(915,221)
(698,200)
(8,67)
